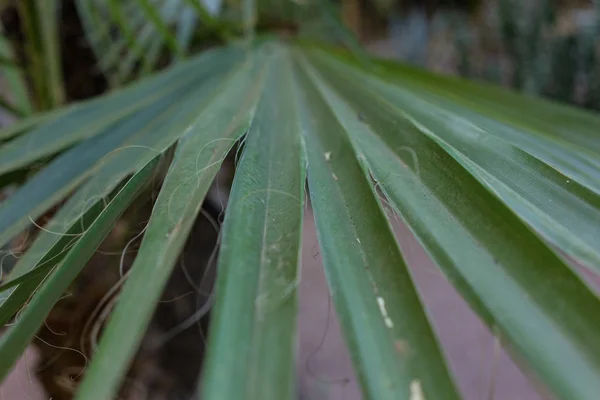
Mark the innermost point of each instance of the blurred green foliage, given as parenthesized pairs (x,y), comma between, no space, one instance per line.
(548,50)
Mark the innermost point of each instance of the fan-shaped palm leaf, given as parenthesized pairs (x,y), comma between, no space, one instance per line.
(491,183)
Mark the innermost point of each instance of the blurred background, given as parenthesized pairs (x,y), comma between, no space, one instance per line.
(56,52)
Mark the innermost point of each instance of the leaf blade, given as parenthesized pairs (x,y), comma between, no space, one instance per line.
(563,209)
(100,113)
(204,145)
(252,334)
(371,286)
(109,155)
(14,341)
(506,273)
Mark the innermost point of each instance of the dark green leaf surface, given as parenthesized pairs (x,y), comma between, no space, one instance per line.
(564,209)
(486,179)
(533,119)
(112,168)
(11,302)
(23,125)
(98,115)
(253,326)
(55,181)
(394,349)
(199,155)
(515,282)
(15,340)
(62,243)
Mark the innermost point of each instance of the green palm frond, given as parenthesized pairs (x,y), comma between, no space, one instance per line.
(40,20)
(133,38)
(33,81)
(19,104)
(130,38)
(491,183)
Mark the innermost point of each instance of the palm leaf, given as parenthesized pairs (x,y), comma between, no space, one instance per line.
(188,180)
(40,27)
(115,144)
(128,37)
(19,105)
(470,245)
(485,182)
(522,167)
(256,306)
(14,342)
(370,283)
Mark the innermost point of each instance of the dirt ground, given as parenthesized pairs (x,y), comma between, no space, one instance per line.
(483,370)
